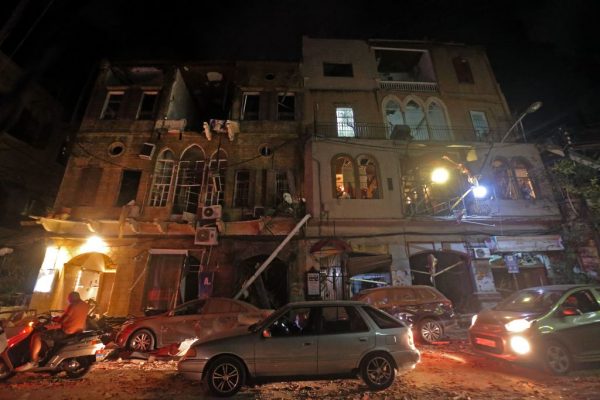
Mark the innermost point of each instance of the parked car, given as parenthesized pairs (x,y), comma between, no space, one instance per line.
(306,340)
(554,326)
(424,307)
(194,319)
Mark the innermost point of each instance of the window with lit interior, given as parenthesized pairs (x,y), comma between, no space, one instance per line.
(345,181)
(367,178)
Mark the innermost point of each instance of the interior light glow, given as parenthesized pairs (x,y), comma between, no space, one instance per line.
(54,258)
(440,175)
(479,191)
(94,244)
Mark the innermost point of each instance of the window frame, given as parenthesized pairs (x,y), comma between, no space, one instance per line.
(463,70)
(142,115)
(105,107)
(118,201)
(337,191)
(160,192)
(342,124)
(480,133)
(254,116)
(338,70)
(241,191)
(283,115)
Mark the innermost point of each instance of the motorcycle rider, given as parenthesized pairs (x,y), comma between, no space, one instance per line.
(72,321)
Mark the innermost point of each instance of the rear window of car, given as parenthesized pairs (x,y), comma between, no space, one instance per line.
(428,294)
(383,320)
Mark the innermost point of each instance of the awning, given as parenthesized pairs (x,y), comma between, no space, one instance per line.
(329,247)
(365,264)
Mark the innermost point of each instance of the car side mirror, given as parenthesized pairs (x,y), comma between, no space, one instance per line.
(266,333)
(569,311)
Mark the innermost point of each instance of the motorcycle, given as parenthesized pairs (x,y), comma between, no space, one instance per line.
(73,355)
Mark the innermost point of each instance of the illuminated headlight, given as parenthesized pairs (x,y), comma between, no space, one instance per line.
(473,319)
(520,345)
(518,325)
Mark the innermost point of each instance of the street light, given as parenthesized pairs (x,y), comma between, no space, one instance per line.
(533,107)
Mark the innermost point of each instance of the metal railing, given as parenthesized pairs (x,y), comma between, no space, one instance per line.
(408,86)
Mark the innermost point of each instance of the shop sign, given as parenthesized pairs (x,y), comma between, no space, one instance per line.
(512,264)
(516,244)
(313,286)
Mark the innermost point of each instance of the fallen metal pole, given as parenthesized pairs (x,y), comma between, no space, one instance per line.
(266,263)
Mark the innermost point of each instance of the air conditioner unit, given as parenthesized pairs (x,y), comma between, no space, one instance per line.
(206,236)
(482,252)
(212,212)
(147,151)
(171,125)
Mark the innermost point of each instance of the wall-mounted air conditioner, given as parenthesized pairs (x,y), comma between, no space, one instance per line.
(482,252)
(212,212)
(206,236)
(147,151)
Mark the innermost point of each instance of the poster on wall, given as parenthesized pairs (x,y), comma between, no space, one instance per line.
(511,264)
(313,288)
(205,284)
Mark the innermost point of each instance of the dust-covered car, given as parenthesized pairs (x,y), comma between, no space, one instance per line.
(555,326)
(194,319)
(424,307)
(306,340)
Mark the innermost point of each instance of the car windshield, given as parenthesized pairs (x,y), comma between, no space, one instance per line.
(532,300)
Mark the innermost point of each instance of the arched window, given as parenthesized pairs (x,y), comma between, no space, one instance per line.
(367,178)
(345,181)
(523,180)
(163,175)
(215,179)
(189,181)
(503,185)
(415,119)
(438,126)
(393,115)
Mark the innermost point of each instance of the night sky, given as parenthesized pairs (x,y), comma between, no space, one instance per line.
(540,50)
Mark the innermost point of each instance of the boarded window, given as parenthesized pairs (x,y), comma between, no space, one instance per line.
(87,186)
(130,181)
(251,107)
(242,189)
(336,69)
(463,70)
(286,107)
(112,105)
(148,105)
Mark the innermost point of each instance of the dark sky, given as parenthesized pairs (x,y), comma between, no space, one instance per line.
(540,50)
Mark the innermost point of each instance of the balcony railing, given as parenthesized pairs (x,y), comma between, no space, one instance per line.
(364,130)
(407,86)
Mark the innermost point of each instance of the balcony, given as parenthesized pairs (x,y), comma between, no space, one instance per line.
(407,86)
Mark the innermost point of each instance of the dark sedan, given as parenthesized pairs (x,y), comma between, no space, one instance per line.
(555,326)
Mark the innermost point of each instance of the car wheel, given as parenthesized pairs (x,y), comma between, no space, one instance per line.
(226,376)
(5,371)
(556,358)
(77,367)
(430,330)
(377,371)
(142,340)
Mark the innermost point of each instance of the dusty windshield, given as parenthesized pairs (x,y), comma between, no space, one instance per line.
(533,301)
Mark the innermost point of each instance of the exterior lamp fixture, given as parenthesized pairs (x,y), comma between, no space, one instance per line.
(479,191)
(440,175)
(533,107)
(94,244)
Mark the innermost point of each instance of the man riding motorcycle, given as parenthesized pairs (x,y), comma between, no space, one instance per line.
(72,321)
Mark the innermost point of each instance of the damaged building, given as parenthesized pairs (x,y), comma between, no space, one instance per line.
(186,177)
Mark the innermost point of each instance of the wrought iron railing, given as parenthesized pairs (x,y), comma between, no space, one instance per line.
(407,86)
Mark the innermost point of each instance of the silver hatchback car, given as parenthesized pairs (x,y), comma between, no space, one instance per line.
(306,340)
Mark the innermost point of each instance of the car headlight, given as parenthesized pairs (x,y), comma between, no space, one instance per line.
(518,325)
(520,345)
(473,319)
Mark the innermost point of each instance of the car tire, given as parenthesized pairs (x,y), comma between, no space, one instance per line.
(78,367)
(141,340)
(556,358)
(226,376)
(377,371)
(430,330)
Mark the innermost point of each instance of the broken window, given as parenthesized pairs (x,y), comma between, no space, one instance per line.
(163,174)
(415,119)
(393,115)
(345,183)
(513,181)
(130,181)
(345,121)
(190,177)
(523,180)
(480,124)
(286,107)
(251,106)
(463,70)
(215,183)
(242,189)
(403,65)
(164,274)
(282,186)
(112,105)
(337,69)
(367,178)
(438,126)
(148,105)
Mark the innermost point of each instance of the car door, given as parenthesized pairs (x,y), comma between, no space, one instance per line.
(581,331)
(290,348)
(179,324)
(344,338)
